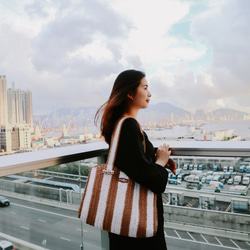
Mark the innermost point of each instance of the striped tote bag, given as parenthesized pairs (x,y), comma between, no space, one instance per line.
(115,203)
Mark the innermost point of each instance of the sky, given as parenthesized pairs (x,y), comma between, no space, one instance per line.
(195,53)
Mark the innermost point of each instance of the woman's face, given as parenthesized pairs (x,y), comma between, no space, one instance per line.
(141,98)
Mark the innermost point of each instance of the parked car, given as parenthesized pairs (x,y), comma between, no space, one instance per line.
(248,169)
(4,202)
(237,179)
(223,181)
(246,180)
(201,167)
(242,168)
(191,166)
(215,168)
(225,168)
(203,179)
(6,245)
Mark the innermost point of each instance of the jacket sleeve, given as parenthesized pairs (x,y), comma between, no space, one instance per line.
(132,160)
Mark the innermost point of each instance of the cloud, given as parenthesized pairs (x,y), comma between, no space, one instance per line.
(221,27)
(68,53)
(227,32)
(64,44)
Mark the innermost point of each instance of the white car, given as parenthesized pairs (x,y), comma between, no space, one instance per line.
(6,245)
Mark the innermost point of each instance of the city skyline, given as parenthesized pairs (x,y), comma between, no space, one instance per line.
(195,53)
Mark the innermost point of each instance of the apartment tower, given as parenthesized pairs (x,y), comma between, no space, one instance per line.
(20,109)
(3,101)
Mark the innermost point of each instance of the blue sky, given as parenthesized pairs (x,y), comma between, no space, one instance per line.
(195,52)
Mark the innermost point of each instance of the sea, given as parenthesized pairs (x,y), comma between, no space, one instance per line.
(241,128)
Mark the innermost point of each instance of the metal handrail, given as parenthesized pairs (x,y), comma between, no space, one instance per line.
(23,162)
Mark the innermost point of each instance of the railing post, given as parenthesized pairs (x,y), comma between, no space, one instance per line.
(60,194)
(101,159)
(67,195)
(71,196)
(80,197)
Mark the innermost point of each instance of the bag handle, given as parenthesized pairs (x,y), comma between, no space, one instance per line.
(114,145)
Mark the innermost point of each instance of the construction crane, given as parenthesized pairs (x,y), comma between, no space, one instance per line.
(69,124)
(41,126)
(65,130)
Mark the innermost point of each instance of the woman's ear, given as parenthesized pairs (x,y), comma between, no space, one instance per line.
(130,97)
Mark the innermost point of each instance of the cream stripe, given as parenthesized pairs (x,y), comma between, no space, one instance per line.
(135,212)
(107,179)
(150,213)
(119,205)
(86,202)
(103,200)
(111,158)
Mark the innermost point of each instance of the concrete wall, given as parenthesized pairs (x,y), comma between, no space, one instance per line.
(55,194)
(208,218)
(225,197)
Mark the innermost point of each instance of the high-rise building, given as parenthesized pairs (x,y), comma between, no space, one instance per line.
(16,117)
(15,114)
(25,138)
(27,107)
(15,140)
(20,108)
(3,101)
(5,139)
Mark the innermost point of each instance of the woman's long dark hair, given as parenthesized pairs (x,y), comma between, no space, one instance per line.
(125,83)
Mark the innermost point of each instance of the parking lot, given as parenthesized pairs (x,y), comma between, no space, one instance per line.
(212,177)
(207,241)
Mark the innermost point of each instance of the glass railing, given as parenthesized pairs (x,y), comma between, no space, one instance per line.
(202,208)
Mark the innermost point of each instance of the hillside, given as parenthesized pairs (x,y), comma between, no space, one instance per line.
(83,116)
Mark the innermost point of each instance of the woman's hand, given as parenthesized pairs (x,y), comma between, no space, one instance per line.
(162,158)
(162,155)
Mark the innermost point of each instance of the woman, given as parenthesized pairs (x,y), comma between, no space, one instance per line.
(130,94)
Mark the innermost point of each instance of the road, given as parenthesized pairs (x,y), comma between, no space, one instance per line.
(61,229)
(34,223)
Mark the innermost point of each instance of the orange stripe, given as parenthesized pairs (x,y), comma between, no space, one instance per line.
(128,208)
(107,221)
(155,215)
(95,195)
(141,231)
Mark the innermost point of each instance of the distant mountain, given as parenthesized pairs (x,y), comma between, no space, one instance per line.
(167,108)
(163,111)
(227,114)
(84,116)
(81,116)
